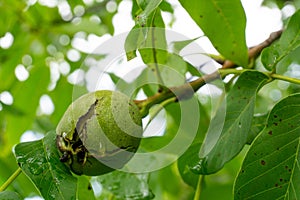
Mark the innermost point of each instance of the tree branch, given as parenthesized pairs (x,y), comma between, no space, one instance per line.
(187,90)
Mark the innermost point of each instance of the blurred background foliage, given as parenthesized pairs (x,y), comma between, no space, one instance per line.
(38,58)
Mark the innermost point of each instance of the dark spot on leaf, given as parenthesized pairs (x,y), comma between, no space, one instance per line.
(238,87)
(232,53)
(290,170)
(286,167)
(275,116)
(218,11)
(270,132)
(242,171)
(89,187)
(276,185)
(277,148)
(201,16)
(280,120)
(275,123)
(280,179)
(262,162)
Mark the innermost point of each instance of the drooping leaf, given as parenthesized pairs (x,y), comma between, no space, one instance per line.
(9,195)
(179,45)
(126,185)
(144,35)
(133,40)
(224,23)
(147,11)
(39,160)
(271,168)
(228,131)
(166,6)
(288,43)
(154,48)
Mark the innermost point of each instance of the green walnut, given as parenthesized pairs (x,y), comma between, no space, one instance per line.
(99,132)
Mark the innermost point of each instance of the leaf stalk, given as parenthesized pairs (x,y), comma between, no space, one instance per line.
(10,179)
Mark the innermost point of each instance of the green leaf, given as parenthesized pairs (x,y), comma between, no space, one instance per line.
(147,11)
(271,168)
(179,45)
(133,40)
(9,195)
(288,42)
(228,134)
(126,185)
(85,190)
(220,185)
(224,23)
(166,6)
(39,160)
(279,3)
(189,159)
(258,124)
(141,36)
(153,51)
